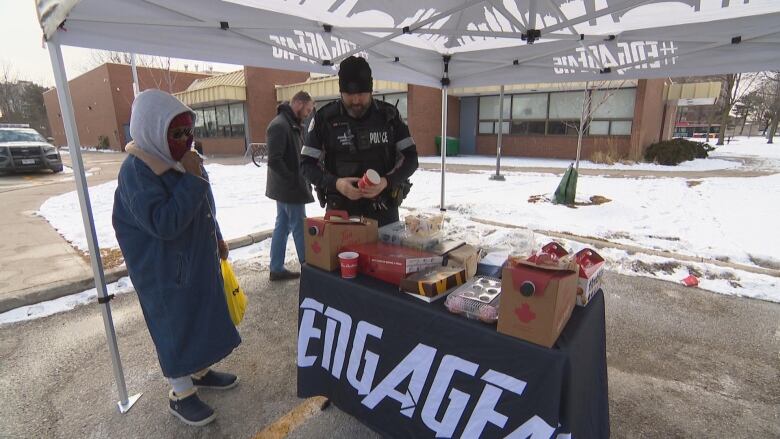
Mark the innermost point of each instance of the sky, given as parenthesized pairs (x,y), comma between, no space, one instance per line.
(21,46)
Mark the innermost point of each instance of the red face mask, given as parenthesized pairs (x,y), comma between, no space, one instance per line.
(180,135)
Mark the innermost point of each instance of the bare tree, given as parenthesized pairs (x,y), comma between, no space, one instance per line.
(735,86)
(592,100)
(771,88)
(8,89)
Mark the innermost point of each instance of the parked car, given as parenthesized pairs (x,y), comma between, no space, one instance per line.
(24,149)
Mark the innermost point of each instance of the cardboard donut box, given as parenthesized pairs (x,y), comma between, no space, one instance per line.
(325,237)
(536,301)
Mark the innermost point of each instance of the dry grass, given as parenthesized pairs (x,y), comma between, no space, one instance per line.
(609,157)
(111,257)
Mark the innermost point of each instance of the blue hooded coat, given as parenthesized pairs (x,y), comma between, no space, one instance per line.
(167,230)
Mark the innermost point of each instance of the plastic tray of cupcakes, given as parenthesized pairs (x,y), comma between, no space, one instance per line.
(477,299)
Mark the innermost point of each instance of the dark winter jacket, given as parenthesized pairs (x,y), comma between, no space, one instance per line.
(285,182)
(165,225)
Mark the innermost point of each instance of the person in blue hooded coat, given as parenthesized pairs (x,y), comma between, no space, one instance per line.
(165,223)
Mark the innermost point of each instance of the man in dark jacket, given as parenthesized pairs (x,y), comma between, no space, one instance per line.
(352,135)
(285,182)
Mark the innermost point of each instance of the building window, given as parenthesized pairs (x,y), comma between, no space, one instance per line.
(558,113)
(599,128)
(613,104)
(528,127)
(563,127)
(566,105)
(210,122)
(200,127)
(220,121)
(223,121)
(237,120)
(529,106)
(486,127)
(620,128)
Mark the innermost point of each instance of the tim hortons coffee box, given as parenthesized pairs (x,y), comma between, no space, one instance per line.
(325,237)
(591,269)
(391,263)
(536,302)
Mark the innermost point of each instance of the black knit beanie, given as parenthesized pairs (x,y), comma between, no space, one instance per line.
(355,76)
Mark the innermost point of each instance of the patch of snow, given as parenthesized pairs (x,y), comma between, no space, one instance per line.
(43,309)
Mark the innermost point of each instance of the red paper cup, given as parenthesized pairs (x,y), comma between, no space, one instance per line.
(370,178)
(349,264)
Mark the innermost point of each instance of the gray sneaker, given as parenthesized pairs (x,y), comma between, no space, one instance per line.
(190,409)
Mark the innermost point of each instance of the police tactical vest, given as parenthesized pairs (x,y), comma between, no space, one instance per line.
(354,146)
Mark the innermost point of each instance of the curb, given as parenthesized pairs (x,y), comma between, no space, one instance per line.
(55,290)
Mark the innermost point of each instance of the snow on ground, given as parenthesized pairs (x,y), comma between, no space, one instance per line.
(724,157)
(768,156)
(43,309)
(730,219)
(242,207)
(530,162)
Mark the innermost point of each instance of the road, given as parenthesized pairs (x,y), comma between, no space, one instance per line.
(32,254)
(682,363)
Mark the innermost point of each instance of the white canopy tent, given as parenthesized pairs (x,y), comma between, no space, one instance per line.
(438,43)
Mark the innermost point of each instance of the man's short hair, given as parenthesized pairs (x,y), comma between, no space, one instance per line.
(301,96)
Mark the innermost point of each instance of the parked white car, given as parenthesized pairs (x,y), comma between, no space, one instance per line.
(24,149)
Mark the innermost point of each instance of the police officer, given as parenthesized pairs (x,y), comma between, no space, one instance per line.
(347,137)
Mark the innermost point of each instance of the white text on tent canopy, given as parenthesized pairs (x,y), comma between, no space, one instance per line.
(313,45)
(657,53)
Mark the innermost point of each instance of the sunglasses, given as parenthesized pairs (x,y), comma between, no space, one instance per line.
(181,133)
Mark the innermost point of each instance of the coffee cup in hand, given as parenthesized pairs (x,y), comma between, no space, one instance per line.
(370,178)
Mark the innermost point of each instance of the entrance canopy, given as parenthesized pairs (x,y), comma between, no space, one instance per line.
(478,42)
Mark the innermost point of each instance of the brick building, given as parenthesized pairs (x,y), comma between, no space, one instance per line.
(235,108)
(102,98)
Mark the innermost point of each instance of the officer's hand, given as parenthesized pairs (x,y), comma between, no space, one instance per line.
(347,186)
(374,191)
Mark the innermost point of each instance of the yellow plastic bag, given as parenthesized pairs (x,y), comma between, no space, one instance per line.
(236,299)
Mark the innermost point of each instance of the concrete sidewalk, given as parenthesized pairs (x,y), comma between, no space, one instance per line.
(682,363)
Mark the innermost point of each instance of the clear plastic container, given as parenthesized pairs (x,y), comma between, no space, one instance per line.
(477,299)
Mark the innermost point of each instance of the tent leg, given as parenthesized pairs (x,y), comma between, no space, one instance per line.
(443,145)
(71,133)
(497,176)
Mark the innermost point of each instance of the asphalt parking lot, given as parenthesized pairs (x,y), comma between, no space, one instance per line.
(682,363)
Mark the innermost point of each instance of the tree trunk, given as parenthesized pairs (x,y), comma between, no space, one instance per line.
(744,121)
(773,128)
(724,122)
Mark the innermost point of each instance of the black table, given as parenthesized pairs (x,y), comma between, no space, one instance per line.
(407,368)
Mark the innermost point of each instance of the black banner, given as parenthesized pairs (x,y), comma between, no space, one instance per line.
(407,368)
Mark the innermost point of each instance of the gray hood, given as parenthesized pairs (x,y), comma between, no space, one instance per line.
(152,112)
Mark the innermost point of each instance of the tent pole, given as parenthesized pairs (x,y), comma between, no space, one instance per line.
(499,141)
(443,144)
(71,133)
(136,86)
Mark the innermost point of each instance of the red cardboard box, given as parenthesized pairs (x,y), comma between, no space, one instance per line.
(391,263)
(536,302)
(591,267)
(326,236)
